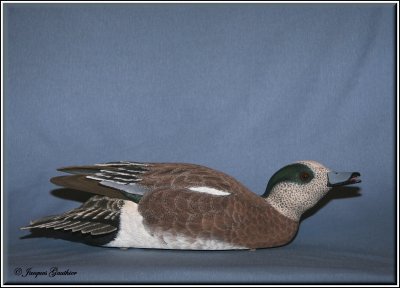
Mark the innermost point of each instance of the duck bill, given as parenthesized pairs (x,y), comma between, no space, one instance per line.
(343,178)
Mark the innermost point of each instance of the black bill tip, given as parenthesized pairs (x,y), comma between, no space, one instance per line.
(343,178)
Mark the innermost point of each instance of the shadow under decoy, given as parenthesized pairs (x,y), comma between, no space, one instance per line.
(71,194)
(77,237)
(335,194)
(47,233)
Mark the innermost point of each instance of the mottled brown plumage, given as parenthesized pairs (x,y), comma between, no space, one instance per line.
(240,219)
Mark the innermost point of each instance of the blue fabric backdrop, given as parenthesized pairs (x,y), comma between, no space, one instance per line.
(245,89)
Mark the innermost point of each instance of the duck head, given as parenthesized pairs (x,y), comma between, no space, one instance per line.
(299,186)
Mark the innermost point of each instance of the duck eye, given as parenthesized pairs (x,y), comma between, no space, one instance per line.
(304,176)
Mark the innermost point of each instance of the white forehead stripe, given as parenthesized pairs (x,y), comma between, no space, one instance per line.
(313,164)
(209,190)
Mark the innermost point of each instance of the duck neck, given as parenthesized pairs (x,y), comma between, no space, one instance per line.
(286,208)
(292,205)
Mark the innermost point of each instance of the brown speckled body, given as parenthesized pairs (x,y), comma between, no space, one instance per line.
(242,218)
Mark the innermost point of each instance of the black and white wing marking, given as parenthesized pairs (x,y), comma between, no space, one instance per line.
(123,176)
(112,179)
(97,216)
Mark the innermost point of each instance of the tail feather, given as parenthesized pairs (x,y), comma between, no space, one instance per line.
(80,182)
(80,170)
(99,215)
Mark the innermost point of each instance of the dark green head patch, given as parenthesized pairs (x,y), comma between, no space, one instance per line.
(297,173)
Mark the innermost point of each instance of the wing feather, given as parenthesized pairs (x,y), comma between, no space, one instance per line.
(131,180)
(113,179)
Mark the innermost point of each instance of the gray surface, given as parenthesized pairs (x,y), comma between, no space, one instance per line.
(292,264)
(245,89)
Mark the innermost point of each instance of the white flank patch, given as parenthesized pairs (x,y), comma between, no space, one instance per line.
(133,234)
(209,190)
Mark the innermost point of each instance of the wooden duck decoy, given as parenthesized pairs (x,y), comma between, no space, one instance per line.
(187,206)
